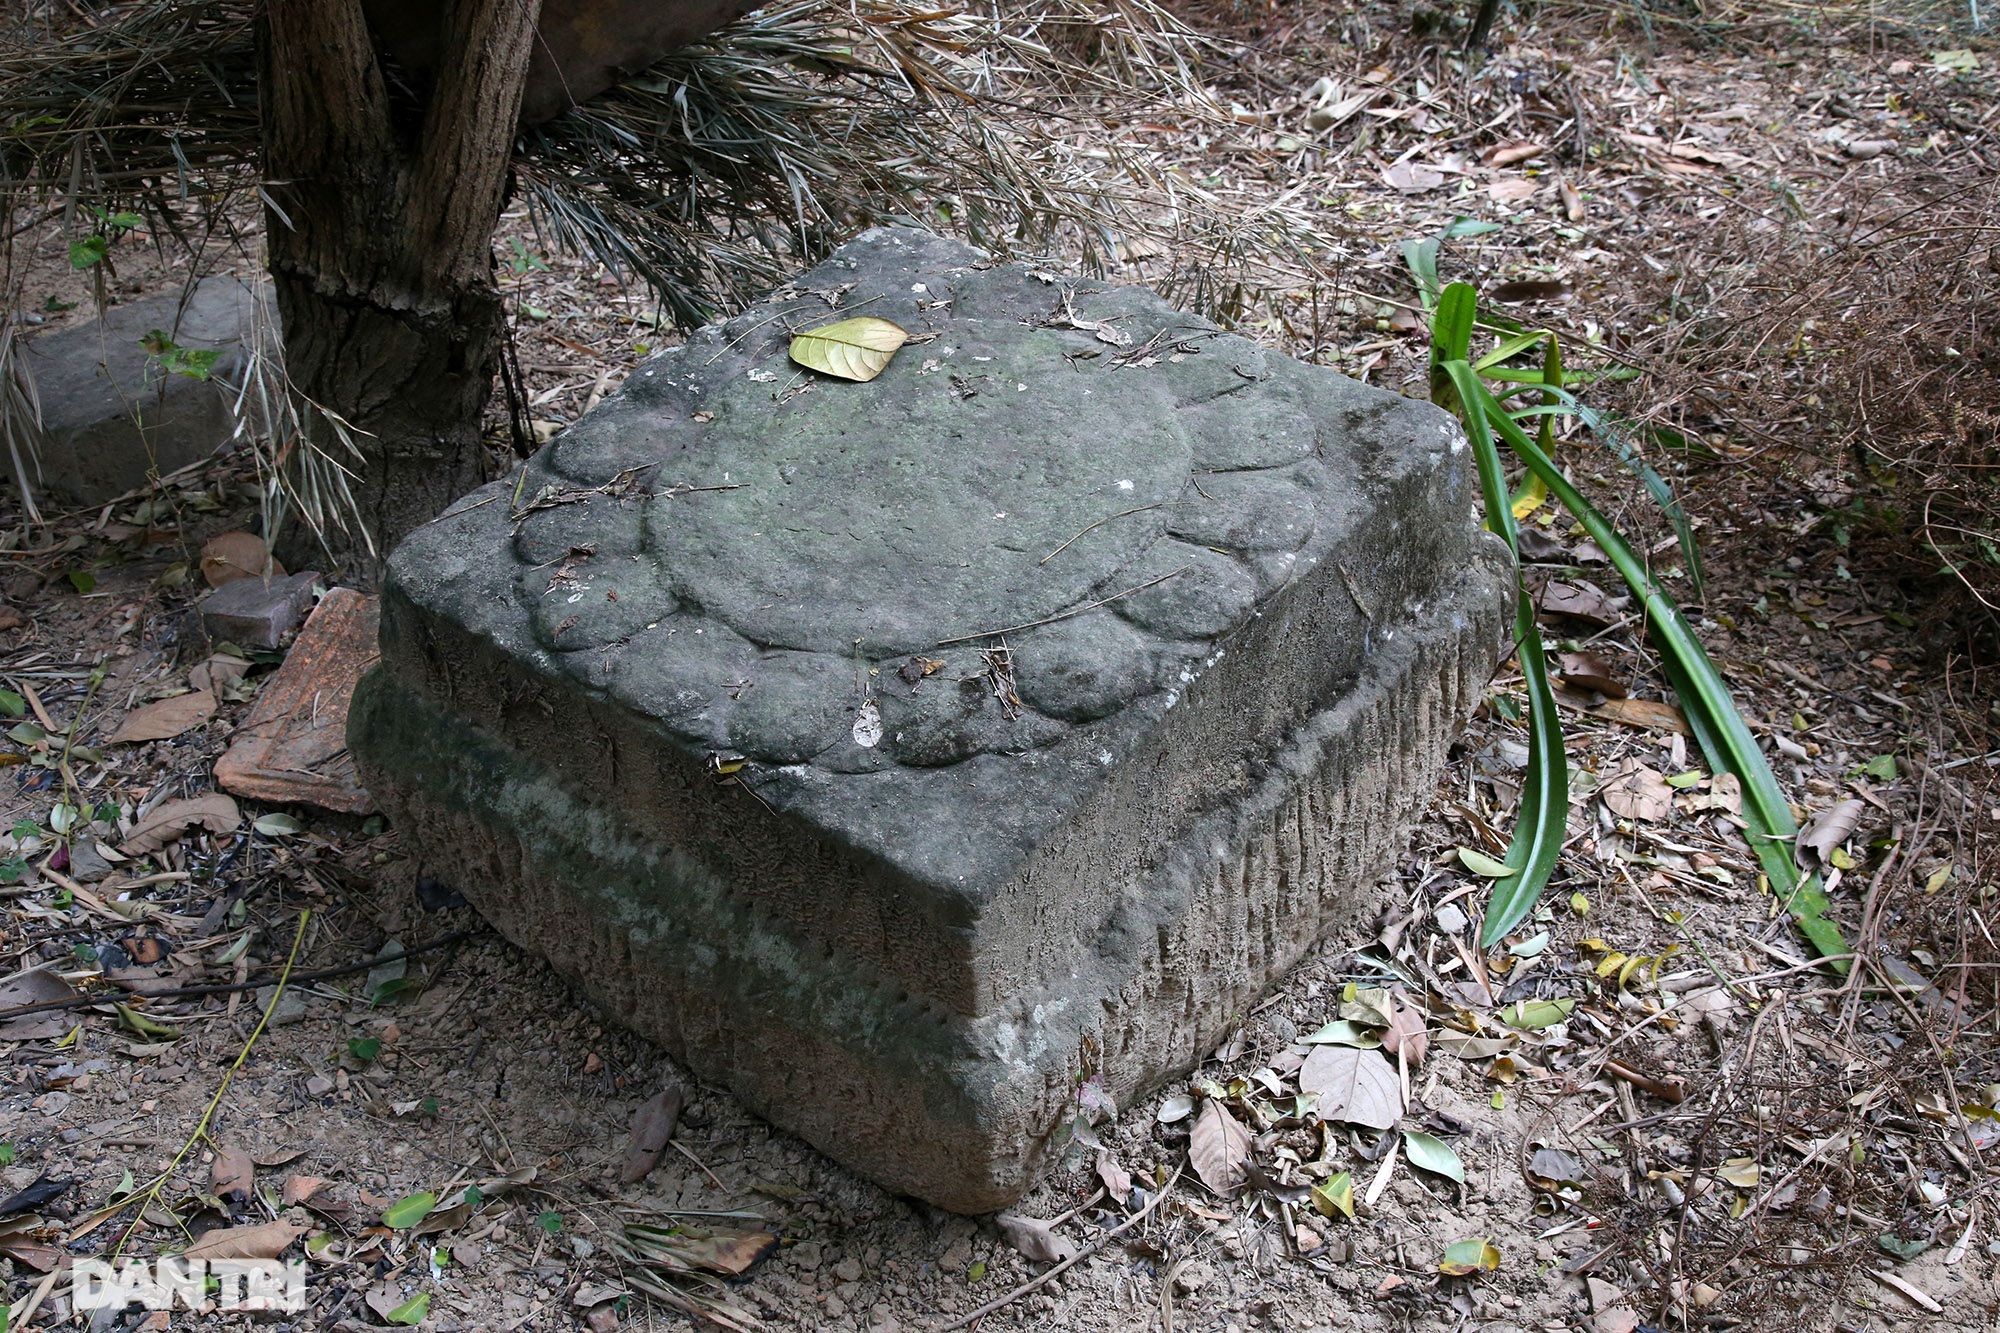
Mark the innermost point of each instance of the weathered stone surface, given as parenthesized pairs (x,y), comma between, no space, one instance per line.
(257,613)
(293,746)
(111,414)
(904,754)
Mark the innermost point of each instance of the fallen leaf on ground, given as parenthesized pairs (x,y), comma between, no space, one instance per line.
(165,718)
(1646,714)
(1117,1180)
(1219,1146)
(1573,208)
(1507,154)
(1033,1238)
(1534,1015)
(1581,601)
(1511,189)
(233,1176)
(238,555)
(652,1125)
(214,812)
(34,988)
(46,1189)
(1407,1034)
(852,349)
(267,1240)
(1828,829)
(1466,1257)
(1412,178)
(1432,1154)
(1637,792)
(1357,1086)
(1588,671)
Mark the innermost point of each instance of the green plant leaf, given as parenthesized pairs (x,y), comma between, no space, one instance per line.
(1479,863)
(1543,813)
(83,580)
(1335,1194)
(1534,1015)
(12,704)
(409,1210)
(88,252)
(1466,1257)
(411,1312)
(364,1048)
(549,1220)
(1432,1154)
(853,349)
(1712,716)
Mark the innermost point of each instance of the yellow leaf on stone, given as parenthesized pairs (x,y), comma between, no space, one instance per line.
(853,349)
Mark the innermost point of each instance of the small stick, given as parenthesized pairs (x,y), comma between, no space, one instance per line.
(231,988)
(1674,1092)
(1093,527)
(1065,615)
(1075,1259)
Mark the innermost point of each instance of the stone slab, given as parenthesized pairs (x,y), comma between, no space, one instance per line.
(293,746)
(256,612)
(905,754)
(111,416)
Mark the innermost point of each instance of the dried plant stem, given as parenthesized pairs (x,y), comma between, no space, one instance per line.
(1035,1284)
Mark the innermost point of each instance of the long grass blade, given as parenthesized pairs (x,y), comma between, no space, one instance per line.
(1719,728)
(1543,815)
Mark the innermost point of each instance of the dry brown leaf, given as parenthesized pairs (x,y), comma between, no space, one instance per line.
(220,670)
(1407,1033)
(28,988)
(264,1241)
(233,1176)
(298,1189)
(1219,1148)
(1117,1180)
(1646,714)
(214,812)
(1034,1238)
(1637,792)
(1573,208)
(1584,601)
(1511,189)
(1412,178)
(652,1125)
(1588,671)
(238,555)
(1357,1086)
(1828,829)
(165,718)
(1508,154)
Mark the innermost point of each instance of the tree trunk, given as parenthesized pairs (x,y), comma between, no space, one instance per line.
(379,229)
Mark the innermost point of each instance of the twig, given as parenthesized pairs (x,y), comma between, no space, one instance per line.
(151,1194)
(1674,1092)
(1064,615)
(233,987)
(1075,1259)
(1100,523)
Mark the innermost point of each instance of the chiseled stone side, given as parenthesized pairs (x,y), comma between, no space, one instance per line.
(963,1113)
(1246,602)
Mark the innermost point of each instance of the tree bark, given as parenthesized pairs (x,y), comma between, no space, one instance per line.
(379,236)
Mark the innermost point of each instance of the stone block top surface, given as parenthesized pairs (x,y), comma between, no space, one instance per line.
(933,613)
